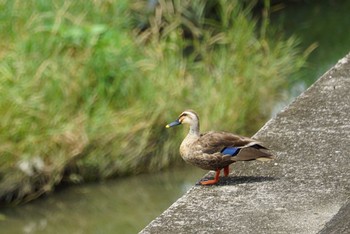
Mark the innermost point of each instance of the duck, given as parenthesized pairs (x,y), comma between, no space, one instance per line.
(216,150)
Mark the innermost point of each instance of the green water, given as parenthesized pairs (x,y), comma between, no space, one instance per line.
(126,205)
(323,23)
(120,206)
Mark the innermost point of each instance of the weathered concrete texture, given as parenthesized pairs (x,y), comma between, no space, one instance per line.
(340,223)
(305,190)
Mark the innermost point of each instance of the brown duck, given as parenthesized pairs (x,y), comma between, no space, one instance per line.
(216,150)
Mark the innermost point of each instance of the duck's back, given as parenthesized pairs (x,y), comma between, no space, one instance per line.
(213,150)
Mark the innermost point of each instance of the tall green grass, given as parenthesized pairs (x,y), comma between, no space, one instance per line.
(86,91)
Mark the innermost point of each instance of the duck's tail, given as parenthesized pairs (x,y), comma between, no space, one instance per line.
(254,152)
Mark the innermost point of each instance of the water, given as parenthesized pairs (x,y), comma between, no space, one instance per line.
(121,206)
(322,23)
(126,205)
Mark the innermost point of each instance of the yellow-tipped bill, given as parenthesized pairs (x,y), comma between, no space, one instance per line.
(173,124)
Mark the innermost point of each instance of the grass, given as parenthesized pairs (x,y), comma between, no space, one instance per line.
(88,86)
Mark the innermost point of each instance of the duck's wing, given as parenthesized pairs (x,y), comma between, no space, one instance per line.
(238,147)
(212,142)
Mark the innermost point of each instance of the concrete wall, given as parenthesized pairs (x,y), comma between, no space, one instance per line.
(305,190)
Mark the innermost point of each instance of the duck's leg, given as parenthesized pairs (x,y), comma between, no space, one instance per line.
(226,171)
(214,181)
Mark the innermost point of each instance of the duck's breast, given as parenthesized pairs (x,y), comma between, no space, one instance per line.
(194,155)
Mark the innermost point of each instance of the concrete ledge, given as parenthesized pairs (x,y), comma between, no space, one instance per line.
(306,190)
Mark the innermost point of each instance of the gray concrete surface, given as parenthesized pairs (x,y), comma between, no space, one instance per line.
(305,190)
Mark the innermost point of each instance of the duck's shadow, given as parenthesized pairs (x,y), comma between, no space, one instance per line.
(235,180)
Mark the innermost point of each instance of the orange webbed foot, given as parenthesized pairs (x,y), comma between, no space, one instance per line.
(213,181)
(208,182)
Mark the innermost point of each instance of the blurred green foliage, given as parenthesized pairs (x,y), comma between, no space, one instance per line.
(88,86)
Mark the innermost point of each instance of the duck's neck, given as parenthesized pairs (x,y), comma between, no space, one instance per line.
(194,130)
(187,143)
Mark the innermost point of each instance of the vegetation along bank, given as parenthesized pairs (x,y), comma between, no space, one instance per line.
(87,86)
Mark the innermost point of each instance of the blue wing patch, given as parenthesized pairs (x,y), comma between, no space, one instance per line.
(233,151)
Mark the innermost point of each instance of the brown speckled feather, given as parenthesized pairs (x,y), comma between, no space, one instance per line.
(213,142)
(206,150)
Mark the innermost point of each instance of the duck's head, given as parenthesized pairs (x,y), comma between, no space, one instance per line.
(187,117)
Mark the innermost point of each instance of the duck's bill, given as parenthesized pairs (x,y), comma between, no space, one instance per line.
(173,124)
